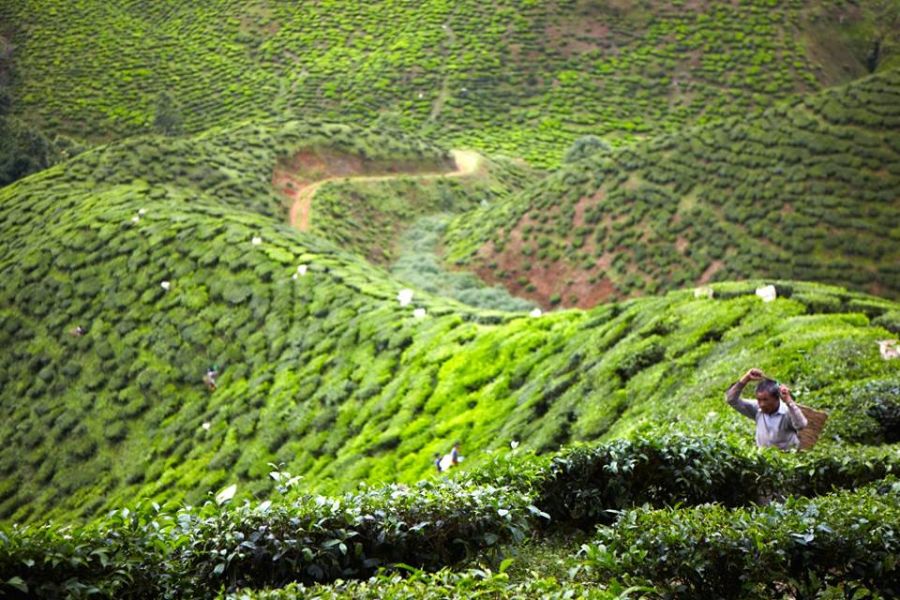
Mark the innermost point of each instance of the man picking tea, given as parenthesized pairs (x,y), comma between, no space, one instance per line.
(777,416)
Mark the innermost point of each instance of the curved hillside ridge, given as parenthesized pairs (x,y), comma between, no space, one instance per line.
(67,225)
(327,373)
(554,70)
(806,191)
(237,165)
(160,301)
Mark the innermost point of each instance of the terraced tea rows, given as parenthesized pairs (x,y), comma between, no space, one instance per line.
(808,190)
(209,325)
(518,78)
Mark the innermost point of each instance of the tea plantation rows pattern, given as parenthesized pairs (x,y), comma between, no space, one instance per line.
(808,190)
(521,78)
(326,372)
(128,271)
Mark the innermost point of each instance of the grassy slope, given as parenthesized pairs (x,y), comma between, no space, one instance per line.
(326,373)
(512,77)
(808,190)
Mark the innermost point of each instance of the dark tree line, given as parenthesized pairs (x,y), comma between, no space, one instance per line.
(24,149)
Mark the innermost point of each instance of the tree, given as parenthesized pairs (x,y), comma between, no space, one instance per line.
(167,117)
(883,19)
(23,150)
(5,101)
(586,145)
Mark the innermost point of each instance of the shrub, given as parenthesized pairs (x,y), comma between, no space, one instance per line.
(886,410)
(585,146)
(647,354)
(793,548)
(146,553)
(314,538)
(471,583)
(890,320)
(584,485)
(826,469)
(124,556)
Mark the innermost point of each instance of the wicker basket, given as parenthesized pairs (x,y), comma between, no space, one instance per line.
(809,435)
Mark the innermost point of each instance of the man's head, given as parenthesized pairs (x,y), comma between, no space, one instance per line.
(767,396)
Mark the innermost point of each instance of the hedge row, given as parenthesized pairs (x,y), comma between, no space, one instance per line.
(585,485)
(442,585)
(781,550)
(147,553)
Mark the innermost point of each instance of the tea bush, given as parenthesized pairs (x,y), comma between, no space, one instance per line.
(148,553)
(587,485)
(796,547)
(321,539)
(124,555)
(584,485)
(474,582)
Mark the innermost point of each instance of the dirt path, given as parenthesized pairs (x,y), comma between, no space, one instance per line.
(467,162)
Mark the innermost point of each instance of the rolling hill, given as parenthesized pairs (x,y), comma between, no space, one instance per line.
(807,190)
(173,254)
(522,79)
(353,212)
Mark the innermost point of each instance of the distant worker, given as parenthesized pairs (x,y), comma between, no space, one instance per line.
(449,460)
(78,331)
(455,458)
(210,378)
(777,416)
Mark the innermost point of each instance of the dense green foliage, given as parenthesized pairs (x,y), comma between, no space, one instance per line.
(326,372)
(443,585)
(795,548)
(807,190)
(523,78)
(589,484)
(273,193)
(146,552)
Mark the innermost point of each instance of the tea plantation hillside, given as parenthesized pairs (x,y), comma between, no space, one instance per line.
(369,215)
(312,200)
(807,190)
(521,78)
(173,254)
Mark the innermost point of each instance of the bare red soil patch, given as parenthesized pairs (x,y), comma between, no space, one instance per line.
(711,270)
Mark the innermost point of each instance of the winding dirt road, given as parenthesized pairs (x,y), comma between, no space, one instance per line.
(302,192)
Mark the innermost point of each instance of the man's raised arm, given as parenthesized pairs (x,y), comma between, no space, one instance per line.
(733,394)
(798,419)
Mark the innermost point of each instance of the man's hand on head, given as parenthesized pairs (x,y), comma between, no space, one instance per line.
(752,375)
(785,393)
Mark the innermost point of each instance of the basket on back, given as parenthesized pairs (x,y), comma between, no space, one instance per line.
(809,435)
